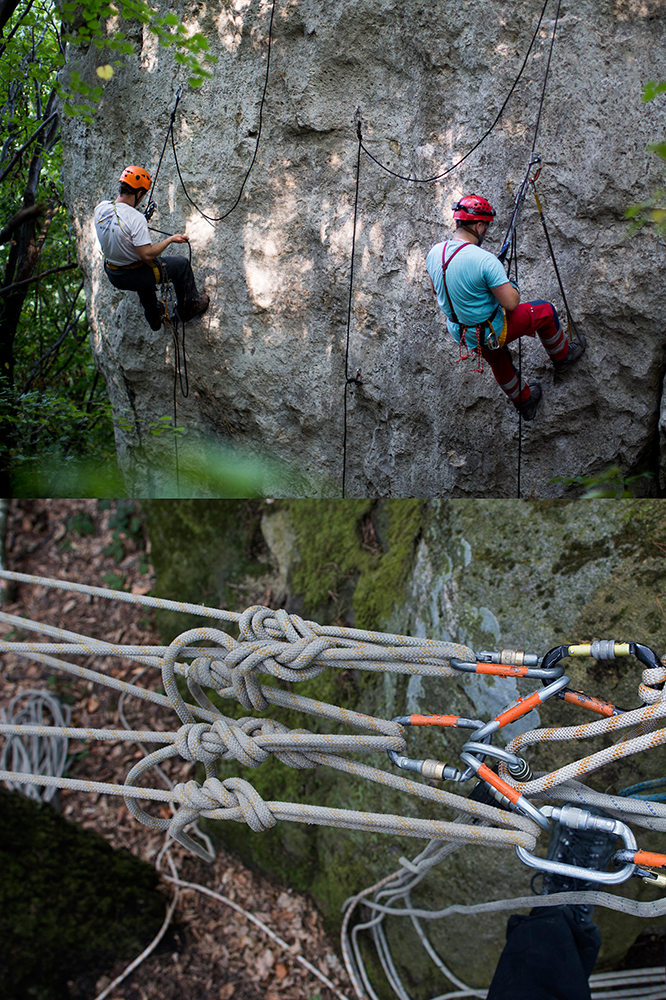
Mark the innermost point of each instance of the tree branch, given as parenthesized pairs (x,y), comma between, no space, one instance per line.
(17,220)
(36,277)
(17,155)
(7,8)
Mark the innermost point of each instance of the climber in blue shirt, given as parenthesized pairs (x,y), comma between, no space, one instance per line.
(483,309)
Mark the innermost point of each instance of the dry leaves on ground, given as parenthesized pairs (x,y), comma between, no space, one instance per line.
(210,951)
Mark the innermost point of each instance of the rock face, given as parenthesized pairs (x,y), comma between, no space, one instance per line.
(267,363)
(489,574)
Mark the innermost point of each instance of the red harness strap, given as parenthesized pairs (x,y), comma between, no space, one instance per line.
(463,329)
(481,328)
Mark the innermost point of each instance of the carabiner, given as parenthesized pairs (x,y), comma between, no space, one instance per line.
(581,819)
(436,769)
(507,794)
(521,707)
(603,649)
(518,767)
(508,663)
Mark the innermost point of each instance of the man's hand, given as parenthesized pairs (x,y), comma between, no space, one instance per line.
(149,251)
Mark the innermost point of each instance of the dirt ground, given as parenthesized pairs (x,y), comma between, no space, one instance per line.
(210,951)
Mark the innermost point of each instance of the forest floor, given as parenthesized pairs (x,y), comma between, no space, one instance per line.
(210,950)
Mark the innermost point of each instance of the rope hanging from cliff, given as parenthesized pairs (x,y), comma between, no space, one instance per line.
(510,242)
(486,134)
(357,379)
(170,135)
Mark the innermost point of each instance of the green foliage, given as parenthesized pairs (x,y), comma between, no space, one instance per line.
(63,444)
(100,24)
(653,210)
(355,556)
(611,484)
(652,88)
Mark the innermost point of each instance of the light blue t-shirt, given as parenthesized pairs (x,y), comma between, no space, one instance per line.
(469,279)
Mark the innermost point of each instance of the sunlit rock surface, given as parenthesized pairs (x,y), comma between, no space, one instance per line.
(267,363)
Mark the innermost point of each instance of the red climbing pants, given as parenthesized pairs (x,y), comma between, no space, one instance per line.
(526,319)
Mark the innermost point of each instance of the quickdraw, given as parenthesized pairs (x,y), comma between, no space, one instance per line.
(549,669)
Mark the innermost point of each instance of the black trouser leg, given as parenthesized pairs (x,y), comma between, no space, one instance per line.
(142,281)
(182,278)
(548,956)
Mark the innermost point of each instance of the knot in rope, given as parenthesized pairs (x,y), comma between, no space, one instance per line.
(277,643)
(207,672)
(189,743)
(235,796)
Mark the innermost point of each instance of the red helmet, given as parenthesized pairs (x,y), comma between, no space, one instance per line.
(136,177)
(473,208)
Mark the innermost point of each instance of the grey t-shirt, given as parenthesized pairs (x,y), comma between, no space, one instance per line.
(120,228)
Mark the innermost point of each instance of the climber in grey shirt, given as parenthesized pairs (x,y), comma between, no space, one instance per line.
(132,262)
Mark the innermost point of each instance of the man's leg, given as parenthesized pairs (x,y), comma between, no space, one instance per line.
(548,955)
(190,303)
(525,397)
(142,281)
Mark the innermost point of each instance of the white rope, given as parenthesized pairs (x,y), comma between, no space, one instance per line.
(35,747)
(291,649)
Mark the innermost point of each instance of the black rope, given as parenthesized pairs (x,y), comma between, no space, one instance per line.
(437,177)
(546,74)
(150,206)
(349,381)
(513,257)
(220,218)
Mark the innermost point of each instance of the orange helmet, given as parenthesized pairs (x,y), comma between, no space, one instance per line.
(136,177)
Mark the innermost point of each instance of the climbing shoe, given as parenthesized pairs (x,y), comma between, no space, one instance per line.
(195,307)
(576,351)
(528,409)
(155,319)
(584,849)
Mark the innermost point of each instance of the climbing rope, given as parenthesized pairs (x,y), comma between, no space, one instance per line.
(486,134)
(170,136)
(289,649)
(510,240)
(35,753)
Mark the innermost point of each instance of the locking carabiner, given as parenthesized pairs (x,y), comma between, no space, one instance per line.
(581,819)
(436,769)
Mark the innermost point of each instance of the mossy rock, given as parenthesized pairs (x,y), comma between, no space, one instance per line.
(489,574)
(70,905)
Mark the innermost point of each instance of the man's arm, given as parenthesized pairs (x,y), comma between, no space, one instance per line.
(149,251)
(507,296)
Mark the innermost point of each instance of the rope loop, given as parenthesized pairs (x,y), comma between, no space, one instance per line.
(235,796)
(653,686)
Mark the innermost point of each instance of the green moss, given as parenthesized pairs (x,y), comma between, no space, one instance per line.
(199,548)
(70,906)
(367,544)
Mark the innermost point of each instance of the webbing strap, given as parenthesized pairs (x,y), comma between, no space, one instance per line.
(482,329)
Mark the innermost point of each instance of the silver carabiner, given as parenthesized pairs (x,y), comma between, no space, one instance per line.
(581,819)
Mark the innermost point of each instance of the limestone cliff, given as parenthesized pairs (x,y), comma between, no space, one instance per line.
(267,364)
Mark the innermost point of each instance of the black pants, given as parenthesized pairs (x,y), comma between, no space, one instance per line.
(142,280)
(547,956)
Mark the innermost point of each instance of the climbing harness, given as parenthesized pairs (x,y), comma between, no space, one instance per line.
(292,649)
(485,335)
